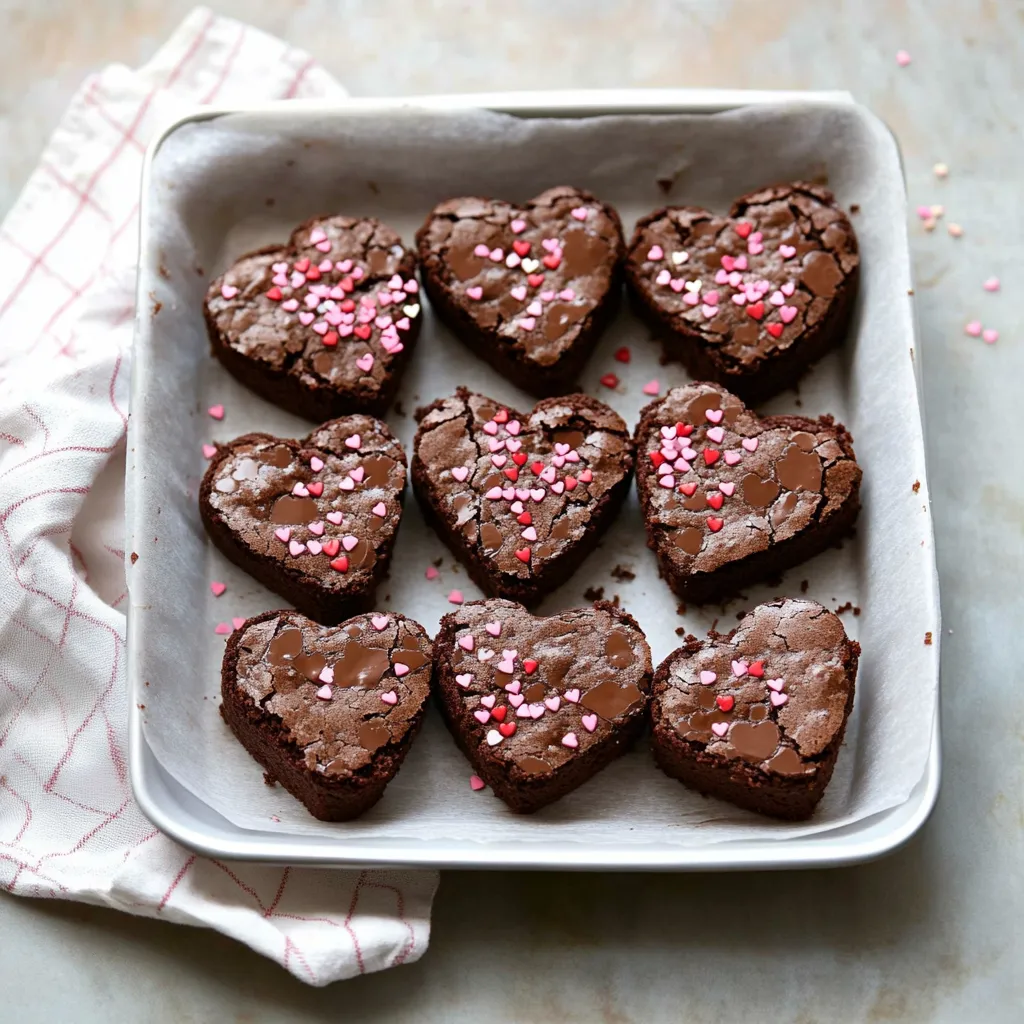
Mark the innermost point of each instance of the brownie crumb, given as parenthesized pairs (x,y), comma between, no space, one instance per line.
(917,486)
(141,707)
(623,573)
(387,599)
(163,272)
(157,306)
(910,291)
(856,610)
(269,201)
(399,411)
(438,562)
(593,594)
(199,270)
(665,184)
(804,584)
(373,187)
(854,207)
(615,600)
(681,608)
(269,780)
(928,639)
(714,626)
(844,608)
(680,631)
(135,557)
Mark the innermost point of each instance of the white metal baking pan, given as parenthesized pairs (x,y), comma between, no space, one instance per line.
(177,810)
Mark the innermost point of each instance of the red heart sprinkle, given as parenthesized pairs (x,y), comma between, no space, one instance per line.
(688,489)
(302,265)
(756,669)
(530,666)
(316,488)
(551,261)
(657,458)
(775,330)
(523,554)
(512,473)
(330,547)
(525,519)
(570,483)
(331,339)
(507,728)
(498,713)
(340,563)
(609,380)
(715,500)
(362,331)
(274,294)
(313,274)
(622,354)
(347,306)
(743,229)
(683,430)
(715,524)
(348,285)
(725,701)
(711,456)
(537,468)
(756,310)
(501,416)
(519,458)
(521,247)
(535,280)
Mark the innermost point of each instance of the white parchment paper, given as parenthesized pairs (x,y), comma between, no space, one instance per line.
(226,185)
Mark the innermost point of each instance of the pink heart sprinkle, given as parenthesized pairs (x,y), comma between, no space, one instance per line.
(572,696)
(466,642)
(788,313)
(222,629)
(326,674)
(481,250)
(739,669)
(529,534)
(707,678)
(300,490)
(325,692)
(365,362)
(390,697)
(379,622)
(488,701)
(777,298)
(216,411)
(990,335)
(515,699)
(651,388)
(506,667)
(455,597)
(476,292)
(740,263)
(348,484)
(526,323)
(719,728)
(750,443)
(788,288)
(755,248)
(569,740)
(306,318)
(721,277)
(354,441)
(460,473)
(357,474)
(518,226)
(514,687)
(282,533)
(973,329)
(209,450)
(991,285)
(727,487)
(401,669)
(716,434)
(348,542)
(335,517)
(709,311)
(218,588)
(677,284)
(314,547)
(778,699)
(589,722)
(655,252)
(494,628)
(316,529)
(229,291)
(731,458)
(902,58)
(317,235)
(464,679)
(476,783)
(663,277)
(497,255)
(295,548)
(714,415)
(691,298)
(553,703)
(580,212)
(787,251)
(519,292)
(481,715)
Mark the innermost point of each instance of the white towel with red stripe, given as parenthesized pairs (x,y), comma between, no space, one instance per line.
(68,825)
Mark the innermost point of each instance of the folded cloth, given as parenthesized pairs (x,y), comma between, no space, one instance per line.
(68,825)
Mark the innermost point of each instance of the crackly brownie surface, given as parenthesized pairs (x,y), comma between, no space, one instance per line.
(521,498)
(750,299)
(328,711)
(729,497)
(539,705)
(324,325)
(757,716)
(527,287)
(313,519)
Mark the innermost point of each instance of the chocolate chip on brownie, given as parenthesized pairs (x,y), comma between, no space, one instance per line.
(539,705)
(315,519)
(521,499)
(324,325)
(752,299)
(730,498)
(529,288)
(757,716)
(329,712)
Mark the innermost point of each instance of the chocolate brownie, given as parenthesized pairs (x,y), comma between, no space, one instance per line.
(752,299)
(529,288)
(329,712)
(520,499)
(729,498)
(324,325)
(757,717)
(316,519)
(539,705)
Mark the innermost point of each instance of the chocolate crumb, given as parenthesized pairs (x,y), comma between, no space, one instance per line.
(163,272)
(141,707)
(268,779)
(135,557)
(714,626)
(856,611)
(844,608)
(854,207)
(399,411)
(373,187)
(917,486)
(623,573)
(681,608)
(157,306)
(665,184)
(593,594)
(680,631)
(615,600)
(799,404)
(910,291)
(438,562)
(928,639)
(804,584)
(199,270)
(269,201)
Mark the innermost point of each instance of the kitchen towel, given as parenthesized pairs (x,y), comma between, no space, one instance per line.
(69,828)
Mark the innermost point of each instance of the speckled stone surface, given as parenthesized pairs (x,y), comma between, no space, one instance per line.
(929,934)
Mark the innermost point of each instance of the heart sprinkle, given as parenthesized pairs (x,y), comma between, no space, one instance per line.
(216,411)
(719,728)
(218,588)
(725,701)
(390,697)
(455,597)
(476,783)
(570,740)
(707,678)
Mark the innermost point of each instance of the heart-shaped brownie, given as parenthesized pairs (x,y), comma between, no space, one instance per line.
(528,288)
(757,717)
(752,299)
(520,499)
(730,498)
(315,520)
(329,712)
(539,705)
(324,325)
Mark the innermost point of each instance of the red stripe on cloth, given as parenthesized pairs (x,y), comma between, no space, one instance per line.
(299,76)
(226,69)
(174,885)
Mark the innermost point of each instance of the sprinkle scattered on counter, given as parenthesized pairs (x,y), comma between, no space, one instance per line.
(455,597)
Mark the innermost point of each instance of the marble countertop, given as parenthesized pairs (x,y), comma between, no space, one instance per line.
(928,934)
